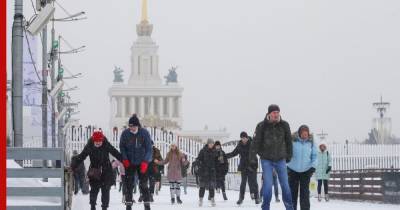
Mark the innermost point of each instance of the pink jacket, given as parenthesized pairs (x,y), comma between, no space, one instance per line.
(174,168)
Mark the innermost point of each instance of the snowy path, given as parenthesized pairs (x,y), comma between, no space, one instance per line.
(190,202)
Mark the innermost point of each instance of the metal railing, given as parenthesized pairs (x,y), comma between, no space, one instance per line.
(47,154)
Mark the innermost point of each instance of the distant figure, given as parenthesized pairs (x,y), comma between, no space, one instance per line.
(79,176)
(324,167)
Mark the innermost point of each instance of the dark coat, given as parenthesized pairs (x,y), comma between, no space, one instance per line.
(155,169)
(222,166)
(136,147)
(273,141)
(99,158)
(207,160)
(243,150)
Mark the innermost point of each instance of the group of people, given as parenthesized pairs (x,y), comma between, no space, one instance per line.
(290,159)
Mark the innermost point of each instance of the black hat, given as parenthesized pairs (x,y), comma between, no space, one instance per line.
(134,121)
(303,127)
(273,108)
(217,143)
(243,135)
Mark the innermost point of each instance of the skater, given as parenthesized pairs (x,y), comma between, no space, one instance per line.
(275,184)
(154,172)
(195,171)
(184,175)
(207,160)
(136,150)
(175,160)
(247,168)
(100,170)
(273,143)
(323,170)
(79,176)
(302,167)
(222,168)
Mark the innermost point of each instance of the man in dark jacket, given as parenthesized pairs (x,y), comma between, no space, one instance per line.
(247,168)
(100,172)
(136,150)
(222,168)
(207,160)
(273,143)
(79,176)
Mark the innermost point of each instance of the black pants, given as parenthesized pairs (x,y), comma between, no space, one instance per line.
(202,191)
(221,184)
(320,181)
(251,177)
(79,183)
(95,187)
(152,184)
(303,180)
(143,184)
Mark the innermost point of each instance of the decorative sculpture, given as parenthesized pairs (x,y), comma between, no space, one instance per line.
(172,76)
(118,77)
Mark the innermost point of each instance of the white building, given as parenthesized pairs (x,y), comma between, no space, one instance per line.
(155,103)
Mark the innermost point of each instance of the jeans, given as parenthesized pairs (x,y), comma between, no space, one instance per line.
(281,170)
(275,183)
(302,180)
(325,186)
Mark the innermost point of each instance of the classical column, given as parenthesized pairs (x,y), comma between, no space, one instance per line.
(118,101)
(123,107)
(179,104)
(132,104)
(151,101)
(113,111)
(170,106)
(141,106)
(160,107)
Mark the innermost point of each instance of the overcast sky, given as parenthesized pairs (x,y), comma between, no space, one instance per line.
(324,62)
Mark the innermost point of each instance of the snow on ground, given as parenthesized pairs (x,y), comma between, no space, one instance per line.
(190,202)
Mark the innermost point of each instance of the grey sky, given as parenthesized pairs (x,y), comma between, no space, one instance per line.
(324,62)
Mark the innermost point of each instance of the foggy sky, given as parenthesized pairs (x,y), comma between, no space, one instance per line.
(324,62)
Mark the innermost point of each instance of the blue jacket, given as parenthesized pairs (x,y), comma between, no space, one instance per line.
(136,147)
(304,155)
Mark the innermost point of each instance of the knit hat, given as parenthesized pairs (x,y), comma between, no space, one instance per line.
(134,121)
(97,136)
(243,134)
(273,108)
(210,141)
(303,128)
(217,143)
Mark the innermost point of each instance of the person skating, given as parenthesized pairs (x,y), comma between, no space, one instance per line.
(273,143)
(185,175)
(207,161)
(247,168)
(175,160)
(324,166)
(222,168)
(79,176)
(154,172)
(302,167)
(100,172)
(136,150)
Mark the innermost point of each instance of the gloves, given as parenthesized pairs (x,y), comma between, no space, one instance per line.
(143,167)
(311,171)
(328,169)
(126,163)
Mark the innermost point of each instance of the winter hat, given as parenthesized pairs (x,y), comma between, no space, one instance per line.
(210,141)
(243,134)
(97,136)
(217,143)
(273,108)
(134,121)
(303,128)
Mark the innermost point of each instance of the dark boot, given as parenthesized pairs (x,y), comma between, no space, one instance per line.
(172,200)
(93,207)
(257,198)
(240,201)
(146,206)
(224,196)
(151,198)
(178,200)
(103,208)
(140,199)
(128,207)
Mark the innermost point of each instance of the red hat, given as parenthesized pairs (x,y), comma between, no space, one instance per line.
(97,136)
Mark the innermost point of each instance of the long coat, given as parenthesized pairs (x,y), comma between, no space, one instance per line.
(207,159)
(323,161)
(174,169)
(222,165)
